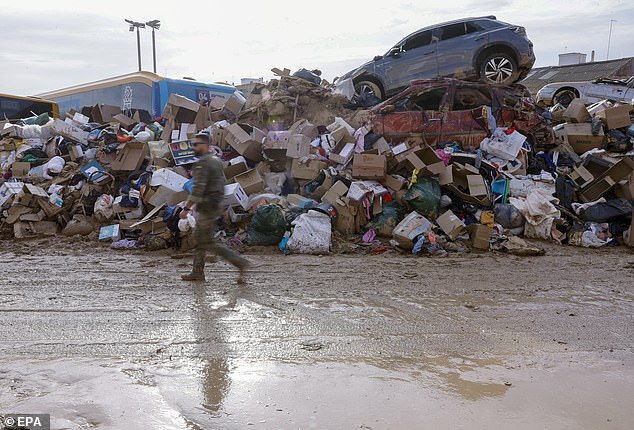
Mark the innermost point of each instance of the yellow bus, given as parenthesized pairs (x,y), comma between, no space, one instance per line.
(18,107)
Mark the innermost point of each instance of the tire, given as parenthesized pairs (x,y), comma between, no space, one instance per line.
(368,87)
(564,97)
(499,68)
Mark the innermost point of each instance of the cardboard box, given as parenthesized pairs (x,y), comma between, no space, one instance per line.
(124,120)
(337,191)
(168,178)
(608,179)
(180,109)
(309,170)
(235,196)
(394,182)
(300,201)
(304,127)
(460,184)
(616,117)
(103,114)
(237,214)
(581,176)
(130,156)
(625,188)
(451,225)
(235,103)
(251,181)
(579,137)
(350,218)
(412,226)
(20,169)
(368,166)
(576,112)
(243,142)
(477,187)
(298,146)
(342,153)
(427,161)
(480,235)
(218,137)
(341,135)
(381,145)
(235,167)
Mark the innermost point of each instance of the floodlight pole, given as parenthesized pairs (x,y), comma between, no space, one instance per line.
(607,57)
(138,46)
(154,49)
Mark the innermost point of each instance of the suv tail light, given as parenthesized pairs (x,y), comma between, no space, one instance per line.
(519,30)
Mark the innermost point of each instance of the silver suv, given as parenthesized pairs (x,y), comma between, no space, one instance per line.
(469,49)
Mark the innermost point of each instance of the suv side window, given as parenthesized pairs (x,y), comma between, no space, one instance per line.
(467,98)
(417,41)
(472,27)
(451,31)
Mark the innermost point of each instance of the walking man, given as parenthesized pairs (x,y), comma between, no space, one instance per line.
(207,195)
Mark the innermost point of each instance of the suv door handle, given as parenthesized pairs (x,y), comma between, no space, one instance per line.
(429,53)
(479,39)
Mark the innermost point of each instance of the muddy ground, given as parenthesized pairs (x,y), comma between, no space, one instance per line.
(105,339)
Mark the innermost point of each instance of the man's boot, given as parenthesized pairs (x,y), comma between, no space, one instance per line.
(198,271)
(243,264)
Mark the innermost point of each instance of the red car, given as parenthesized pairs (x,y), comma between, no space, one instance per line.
(445,110)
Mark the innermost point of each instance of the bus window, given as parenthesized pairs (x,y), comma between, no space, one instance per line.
(16,107)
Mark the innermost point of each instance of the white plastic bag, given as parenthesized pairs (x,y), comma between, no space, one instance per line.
(311,234)
(103,208)
(187,224)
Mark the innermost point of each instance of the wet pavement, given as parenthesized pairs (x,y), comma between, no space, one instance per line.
(114,340)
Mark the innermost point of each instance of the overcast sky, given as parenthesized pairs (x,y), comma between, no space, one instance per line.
(47,46)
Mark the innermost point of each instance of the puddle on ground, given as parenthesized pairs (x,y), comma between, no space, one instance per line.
(217,393)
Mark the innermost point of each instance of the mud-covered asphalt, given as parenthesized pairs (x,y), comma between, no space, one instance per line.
(104,339)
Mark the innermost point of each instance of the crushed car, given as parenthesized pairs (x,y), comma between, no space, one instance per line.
(451,110)
(620,90)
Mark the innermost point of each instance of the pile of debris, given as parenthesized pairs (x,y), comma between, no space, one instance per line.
(302,169)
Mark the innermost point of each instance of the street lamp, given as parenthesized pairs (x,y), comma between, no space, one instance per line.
(137,25)
(155,24)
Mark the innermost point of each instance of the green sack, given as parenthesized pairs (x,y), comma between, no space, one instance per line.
(424,198)
(267,227)
(386,221)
